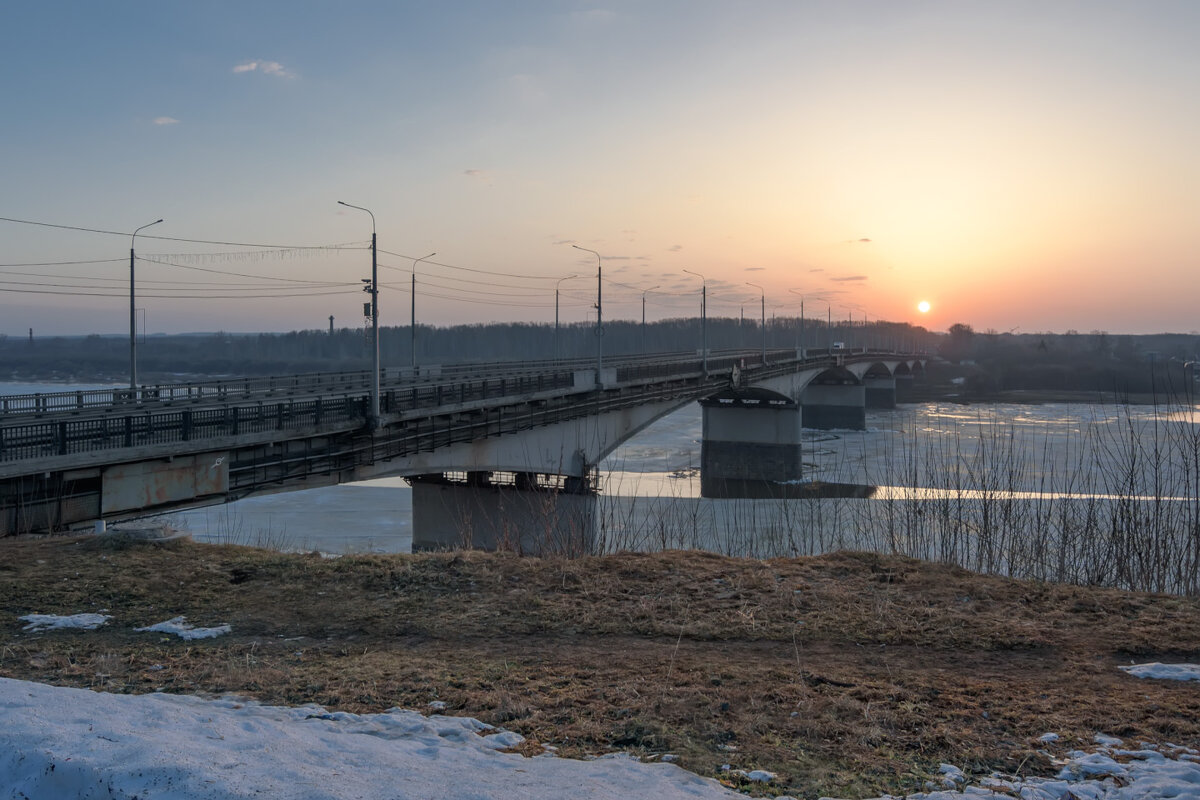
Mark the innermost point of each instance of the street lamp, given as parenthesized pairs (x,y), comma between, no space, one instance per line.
(800,347)
(556,285)
(763,292)
(414,310)
(599,317)
(133,312)
(652,288)
(373,289)
(703,320)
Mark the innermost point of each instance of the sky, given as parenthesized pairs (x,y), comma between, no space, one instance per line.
(1022,166)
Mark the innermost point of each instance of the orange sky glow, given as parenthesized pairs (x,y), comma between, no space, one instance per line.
(1019,165)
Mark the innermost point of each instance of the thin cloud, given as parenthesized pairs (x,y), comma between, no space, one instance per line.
(479,175)
(864,241)
(849,278)
(753,269)
(817,269)
(675,248)
(165,121)
(265,67)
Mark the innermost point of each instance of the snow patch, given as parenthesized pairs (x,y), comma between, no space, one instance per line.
(58,742)
(1167,672)
(185,630)
(44,622)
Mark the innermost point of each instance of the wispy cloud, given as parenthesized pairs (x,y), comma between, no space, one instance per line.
(675,248)
(479,176)
(265,67)
(849,278)
(753,269)
(165,121)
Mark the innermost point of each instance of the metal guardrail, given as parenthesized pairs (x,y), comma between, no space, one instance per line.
(344,402)
(148,424)
(234,389)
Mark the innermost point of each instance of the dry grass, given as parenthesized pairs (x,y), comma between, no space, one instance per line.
(845,674)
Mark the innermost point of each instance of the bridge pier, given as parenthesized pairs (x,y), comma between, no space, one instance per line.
(904,387)
(523,512)
(879,391)
(835,403)
(751,443)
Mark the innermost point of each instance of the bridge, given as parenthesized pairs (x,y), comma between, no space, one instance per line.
(494,449)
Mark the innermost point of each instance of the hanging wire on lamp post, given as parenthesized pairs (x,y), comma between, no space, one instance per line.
(599,317)
(703,320)
(414,309)
(763,292)
(133,312)
(373,289)
(557,284)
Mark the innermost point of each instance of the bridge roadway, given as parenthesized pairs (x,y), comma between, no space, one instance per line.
(68,459)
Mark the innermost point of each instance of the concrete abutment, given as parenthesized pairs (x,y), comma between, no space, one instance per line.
(522,512)
(751,443)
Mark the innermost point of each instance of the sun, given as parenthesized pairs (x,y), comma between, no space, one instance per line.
(924,306)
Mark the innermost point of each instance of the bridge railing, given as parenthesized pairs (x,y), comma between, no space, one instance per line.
(233,389)
(149,424)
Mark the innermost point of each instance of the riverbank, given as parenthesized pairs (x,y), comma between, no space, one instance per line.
(845,674)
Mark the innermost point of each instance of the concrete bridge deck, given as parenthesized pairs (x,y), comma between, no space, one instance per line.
(71,458)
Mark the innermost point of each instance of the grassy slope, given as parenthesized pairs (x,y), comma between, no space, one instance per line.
(845,674)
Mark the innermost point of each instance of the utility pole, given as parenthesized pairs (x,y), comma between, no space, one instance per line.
(763,319)
(644,316)
(414,309)
(372,287)
(599,317)
(556,285)
(133,312)
(703,321)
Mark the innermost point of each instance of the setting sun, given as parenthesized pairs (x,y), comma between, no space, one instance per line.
(924,306)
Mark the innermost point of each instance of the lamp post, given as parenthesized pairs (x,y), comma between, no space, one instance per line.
(652,288)
(373,289)
(556,285)
(763,292)
(599,318)
(133,312)
(414,310)
(800,347)
(703,320)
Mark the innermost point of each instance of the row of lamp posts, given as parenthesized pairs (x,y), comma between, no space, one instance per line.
(372,287)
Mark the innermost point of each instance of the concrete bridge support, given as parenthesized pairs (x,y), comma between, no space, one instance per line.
(522,512)
(880,391)
(904,387)
(833,405)
(751,444)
